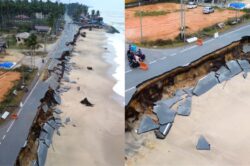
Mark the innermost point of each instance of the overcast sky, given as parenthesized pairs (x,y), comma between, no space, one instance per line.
(100,4)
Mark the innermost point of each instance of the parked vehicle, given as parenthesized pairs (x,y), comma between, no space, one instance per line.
(135,57)
(208,10)
(191,5)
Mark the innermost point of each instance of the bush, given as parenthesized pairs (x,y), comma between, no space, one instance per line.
(150,13)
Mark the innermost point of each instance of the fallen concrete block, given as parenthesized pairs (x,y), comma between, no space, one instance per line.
(205,84)
(234,67)
(184,108)
(165,115)
(163,131)
(86,102)
(244,64)
(202,144)
(223,74)
(147,124)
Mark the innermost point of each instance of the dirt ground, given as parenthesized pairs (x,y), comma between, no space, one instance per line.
(12,55)
(167,26)
(7,82)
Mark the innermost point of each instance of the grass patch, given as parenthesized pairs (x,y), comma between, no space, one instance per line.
(151,13)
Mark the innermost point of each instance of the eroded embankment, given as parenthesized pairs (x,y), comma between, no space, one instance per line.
(165,85)
(47,120)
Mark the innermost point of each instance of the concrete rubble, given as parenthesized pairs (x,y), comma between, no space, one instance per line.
(183,99)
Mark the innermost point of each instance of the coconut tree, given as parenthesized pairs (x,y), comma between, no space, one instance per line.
(32,44)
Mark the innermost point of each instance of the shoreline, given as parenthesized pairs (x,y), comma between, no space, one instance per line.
(87,138)
(109,56)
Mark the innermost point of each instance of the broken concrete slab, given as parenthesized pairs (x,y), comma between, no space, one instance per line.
(171,101)
(52,123)
(163,131)
(56,116)
(67,120)
(50,131)
(234,67)
(45,108)
(58,111)
(202,144)
(246,48)
(147,124)
(43,135)
(189,91)
(205,84)
(86,102)
(244,75)
(223,74)
(180,92)
(57,98)
(42,153)
(184,108)
(244,64)
(165,115)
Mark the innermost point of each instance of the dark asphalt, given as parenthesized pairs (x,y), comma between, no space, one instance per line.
(164,60)
(14,133)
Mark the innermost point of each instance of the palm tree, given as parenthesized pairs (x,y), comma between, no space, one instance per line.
(32,44)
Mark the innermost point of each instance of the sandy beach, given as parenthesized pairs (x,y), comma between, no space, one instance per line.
(95,135)
(221,115)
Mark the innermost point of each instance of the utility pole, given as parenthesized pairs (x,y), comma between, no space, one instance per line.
(141,21)
(183,21)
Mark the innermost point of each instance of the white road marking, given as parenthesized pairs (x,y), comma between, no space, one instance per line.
(189,48)
(163,58)
(129,89)
(28,97)
(4,137)
(208,41)
(152,61)
(10,126)
(128,71)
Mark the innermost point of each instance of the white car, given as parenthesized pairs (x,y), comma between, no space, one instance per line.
(191,5)
(208,10)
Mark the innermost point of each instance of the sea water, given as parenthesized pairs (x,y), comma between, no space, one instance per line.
(112,12)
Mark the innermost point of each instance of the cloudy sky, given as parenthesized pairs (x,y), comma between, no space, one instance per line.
(100,4)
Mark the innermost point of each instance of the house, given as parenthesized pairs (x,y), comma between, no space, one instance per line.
(42,29)
(22,17)
(39,15)
(21,37)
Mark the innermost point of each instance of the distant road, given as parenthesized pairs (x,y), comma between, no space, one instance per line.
(13,133)
(164,60)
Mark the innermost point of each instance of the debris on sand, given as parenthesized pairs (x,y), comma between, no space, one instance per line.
(86,102)
(89,68)
(67,120)
(78,88)
(202,144)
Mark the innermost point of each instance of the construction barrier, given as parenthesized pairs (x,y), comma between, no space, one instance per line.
(143,66)
(199,42)
(14,116)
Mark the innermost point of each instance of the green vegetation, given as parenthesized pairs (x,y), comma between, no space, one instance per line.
(75,10)
(151,13)
(21,14)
